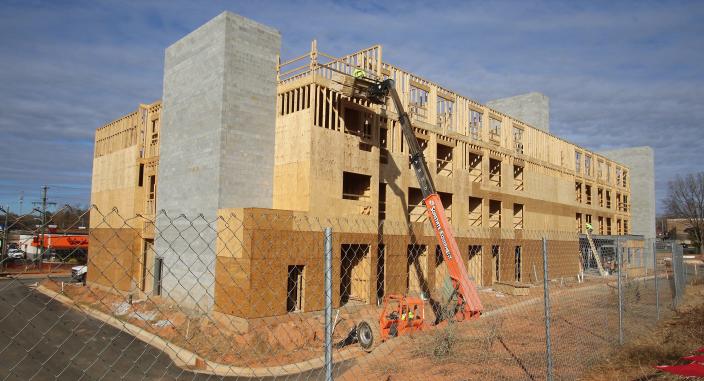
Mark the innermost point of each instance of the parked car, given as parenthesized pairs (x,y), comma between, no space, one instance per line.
(15,254)
(78,273)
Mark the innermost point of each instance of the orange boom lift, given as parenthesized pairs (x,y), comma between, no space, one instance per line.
(464,302)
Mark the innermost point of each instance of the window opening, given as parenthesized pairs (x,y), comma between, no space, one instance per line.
(495,172)
(475,211)
(355,186)
(444,160)
(518,139)
(474,166)
(494,214)
(294,288)
(518,178)
(475,124)
(518,216)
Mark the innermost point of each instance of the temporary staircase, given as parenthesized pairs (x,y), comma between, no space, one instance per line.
(597,258)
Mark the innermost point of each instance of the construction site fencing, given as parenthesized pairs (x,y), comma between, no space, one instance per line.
(243,294)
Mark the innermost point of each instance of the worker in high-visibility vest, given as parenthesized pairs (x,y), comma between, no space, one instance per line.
(589,227)
(411,315)
(358,73)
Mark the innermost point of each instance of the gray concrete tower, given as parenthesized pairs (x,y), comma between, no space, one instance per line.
(532,108)
(641,164)
(217,144)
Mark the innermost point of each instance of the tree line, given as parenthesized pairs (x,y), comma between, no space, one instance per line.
(685,200)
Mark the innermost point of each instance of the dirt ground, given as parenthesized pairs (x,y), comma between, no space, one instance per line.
(268,342)
(508,342)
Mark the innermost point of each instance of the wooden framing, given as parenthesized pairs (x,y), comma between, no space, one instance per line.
(550,166)
(124,182)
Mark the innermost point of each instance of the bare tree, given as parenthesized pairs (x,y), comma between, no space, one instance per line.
(685,200)
(69,217)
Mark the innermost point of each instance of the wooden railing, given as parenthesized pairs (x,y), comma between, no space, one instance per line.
(495,177)
(475,174)
(518,223)
(495,220)
(444,167)
(416,213)
(475,219)
(325,65)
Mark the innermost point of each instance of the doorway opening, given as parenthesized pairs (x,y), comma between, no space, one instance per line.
(354,273)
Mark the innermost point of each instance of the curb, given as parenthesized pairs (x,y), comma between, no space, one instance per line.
(191,361)
(33,275)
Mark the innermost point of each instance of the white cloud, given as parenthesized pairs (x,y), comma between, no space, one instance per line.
(618,74)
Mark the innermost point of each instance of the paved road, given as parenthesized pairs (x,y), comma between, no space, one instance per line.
(41,339)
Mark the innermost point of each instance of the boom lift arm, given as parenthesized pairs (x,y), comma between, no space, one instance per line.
(468,304)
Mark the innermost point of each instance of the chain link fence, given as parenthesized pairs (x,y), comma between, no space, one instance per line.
(265,294)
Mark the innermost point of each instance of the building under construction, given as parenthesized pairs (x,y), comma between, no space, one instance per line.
(241,135)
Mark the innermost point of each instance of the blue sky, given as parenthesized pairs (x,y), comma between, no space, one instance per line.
(617,73)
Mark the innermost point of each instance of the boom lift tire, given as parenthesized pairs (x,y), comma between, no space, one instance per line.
(365,336)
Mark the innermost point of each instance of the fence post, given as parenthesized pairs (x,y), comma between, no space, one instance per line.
(546,301)
(619,256)
(677,273)
(3,251)
(655,279)
(328,304)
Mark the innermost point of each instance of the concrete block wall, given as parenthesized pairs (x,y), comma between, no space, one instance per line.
(641,164)
(218,119)
(532,108)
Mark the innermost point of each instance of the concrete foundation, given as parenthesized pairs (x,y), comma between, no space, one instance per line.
(532,108)
(218,119)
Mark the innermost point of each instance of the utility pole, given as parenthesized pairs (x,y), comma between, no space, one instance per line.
(3,249)
(43,227)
